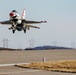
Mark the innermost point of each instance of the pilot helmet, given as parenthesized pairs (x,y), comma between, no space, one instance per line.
(14,11)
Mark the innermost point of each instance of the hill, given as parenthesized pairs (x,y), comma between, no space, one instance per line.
(47,48)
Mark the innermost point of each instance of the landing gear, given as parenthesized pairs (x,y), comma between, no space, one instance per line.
(13,28)
(25,30)
(13,31)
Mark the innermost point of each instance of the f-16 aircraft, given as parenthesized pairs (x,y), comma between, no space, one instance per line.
(19,23)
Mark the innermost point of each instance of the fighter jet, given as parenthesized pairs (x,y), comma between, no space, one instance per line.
(19,23)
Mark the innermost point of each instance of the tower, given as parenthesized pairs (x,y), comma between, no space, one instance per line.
(5,43)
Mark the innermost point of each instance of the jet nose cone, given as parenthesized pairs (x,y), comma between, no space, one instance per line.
(12,14)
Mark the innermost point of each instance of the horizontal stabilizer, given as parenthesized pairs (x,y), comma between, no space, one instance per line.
(30,26)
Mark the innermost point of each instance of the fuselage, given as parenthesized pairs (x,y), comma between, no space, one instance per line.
(16,21)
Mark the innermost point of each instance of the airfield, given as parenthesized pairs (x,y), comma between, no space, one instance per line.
(9,58)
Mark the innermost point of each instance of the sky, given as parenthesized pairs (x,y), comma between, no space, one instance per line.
(60,29)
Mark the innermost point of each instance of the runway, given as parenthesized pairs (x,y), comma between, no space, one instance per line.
(19,72)
(9,58)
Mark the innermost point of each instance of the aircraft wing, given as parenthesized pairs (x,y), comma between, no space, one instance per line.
(33,22)
(6,22)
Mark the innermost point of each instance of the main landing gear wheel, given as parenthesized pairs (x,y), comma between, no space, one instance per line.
(13,31)
(24,30)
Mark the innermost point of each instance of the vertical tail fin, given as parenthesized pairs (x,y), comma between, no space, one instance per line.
(23,14)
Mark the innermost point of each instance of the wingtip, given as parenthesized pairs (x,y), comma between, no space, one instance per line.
(43,21)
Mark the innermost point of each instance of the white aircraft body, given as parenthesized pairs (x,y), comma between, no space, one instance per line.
(19,23)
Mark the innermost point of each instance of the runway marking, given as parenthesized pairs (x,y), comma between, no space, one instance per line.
(20,72)
(12,64)
(14,72)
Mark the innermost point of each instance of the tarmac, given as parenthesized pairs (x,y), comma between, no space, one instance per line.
(9,58)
